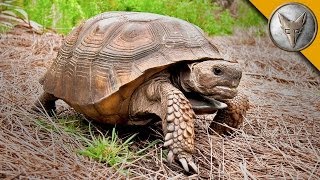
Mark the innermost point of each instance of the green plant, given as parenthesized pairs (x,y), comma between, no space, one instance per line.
(109,150)
(63,15)
(250,17)
(103,148)
(11,15)
(71,125)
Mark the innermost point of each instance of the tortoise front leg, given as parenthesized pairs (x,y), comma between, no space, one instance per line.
(158,96)
(178,127)
(232,116)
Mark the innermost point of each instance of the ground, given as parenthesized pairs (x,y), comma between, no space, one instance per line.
(280,137)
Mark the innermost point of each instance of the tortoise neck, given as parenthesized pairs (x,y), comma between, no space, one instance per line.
(175,80)
(175,76)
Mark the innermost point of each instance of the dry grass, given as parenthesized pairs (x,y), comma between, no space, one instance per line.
(280,137)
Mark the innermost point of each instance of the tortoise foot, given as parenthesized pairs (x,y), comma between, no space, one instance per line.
(185,159)
(232,116)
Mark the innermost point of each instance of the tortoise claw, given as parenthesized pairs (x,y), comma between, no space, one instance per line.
(170,157)
(186,165)
(193,166)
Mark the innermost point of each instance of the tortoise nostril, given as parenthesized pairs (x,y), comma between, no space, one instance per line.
(217,71)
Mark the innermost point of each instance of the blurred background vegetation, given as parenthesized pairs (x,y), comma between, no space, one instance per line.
(216,17)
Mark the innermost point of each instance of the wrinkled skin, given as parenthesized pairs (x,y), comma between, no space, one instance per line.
(175,95)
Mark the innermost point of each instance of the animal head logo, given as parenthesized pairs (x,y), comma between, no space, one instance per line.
(292,28)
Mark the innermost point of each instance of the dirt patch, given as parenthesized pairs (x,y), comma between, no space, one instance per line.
(280,137)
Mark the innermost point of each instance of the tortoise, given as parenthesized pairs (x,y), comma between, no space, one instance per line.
(136,68)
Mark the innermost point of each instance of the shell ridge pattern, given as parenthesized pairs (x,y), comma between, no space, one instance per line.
(175,37)
(74,69)
(78,92)
(63,70)
(56,68)
(197,41)
(124,50)
(104,79)
(127,52)
(158,56)
(113,49)
(84,60)
(169,39)
(65,63)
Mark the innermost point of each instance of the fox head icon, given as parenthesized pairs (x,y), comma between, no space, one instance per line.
(292,28)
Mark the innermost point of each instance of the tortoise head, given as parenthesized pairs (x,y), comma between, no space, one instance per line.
(205,82)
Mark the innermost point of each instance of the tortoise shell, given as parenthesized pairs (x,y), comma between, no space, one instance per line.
(103,61)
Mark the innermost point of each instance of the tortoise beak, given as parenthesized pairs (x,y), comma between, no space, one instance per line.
(204,105)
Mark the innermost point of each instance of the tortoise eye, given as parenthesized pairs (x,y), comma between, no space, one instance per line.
(217,71)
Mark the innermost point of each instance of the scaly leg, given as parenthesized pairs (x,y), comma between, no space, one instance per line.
(158,96)
(232,116)
(178,126)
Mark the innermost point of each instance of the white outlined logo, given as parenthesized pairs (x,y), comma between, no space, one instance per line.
(292,27)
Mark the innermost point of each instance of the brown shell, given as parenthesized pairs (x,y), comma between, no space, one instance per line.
(102,61)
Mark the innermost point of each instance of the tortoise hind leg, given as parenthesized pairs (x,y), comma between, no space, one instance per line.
(232,116)
(47,102)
